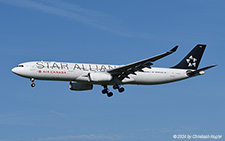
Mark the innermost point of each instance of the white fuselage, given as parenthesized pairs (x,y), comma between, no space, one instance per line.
(79,72)
(83,76)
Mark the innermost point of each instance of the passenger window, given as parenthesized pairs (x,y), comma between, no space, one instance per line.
(20,66)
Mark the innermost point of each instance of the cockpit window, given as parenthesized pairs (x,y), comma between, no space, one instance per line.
(20,66)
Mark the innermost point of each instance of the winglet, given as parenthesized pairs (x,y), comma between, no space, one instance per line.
(174,49)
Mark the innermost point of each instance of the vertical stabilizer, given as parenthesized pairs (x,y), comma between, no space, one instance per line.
(192,60)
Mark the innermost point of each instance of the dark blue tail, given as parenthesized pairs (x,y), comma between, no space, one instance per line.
(192,60)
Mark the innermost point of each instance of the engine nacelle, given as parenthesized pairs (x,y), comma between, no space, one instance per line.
(100,77)
(76,86)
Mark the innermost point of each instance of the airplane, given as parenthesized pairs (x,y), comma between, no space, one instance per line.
(83,76)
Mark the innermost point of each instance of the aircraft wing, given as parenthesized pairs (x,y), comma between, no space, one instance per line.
(123,71)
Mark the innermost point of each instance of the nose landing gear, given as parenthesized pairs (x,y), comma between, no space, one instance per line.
(32,84)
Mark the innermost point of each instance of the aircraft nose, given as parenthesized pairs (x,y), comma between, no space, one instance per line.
(14,70)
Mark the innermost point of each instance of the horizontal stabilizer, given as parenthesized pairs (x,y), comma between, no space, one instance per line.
(200,71)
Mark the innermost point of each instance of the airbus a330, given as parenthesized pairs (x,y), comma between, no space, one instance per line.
(83,76)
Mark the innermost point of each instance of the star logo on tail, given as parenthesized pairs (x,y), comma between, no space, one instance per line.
(191,61)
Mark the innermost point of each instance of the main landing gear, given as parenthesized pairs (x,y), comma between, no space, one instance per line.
(32,84)
(106,91)
(120,89)
(109,94)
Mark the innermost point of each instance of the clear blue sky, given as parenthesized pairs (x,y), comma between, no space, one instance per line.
(110,32)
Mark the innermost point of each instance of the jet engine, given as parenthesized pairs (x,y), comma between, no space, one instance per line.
(99,77)
(76,86)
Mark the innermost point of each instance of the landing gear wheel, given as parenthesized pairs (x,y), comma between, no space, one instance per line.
(32,80)
(121,89)
(104,91)
(109,94)
(32,85)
